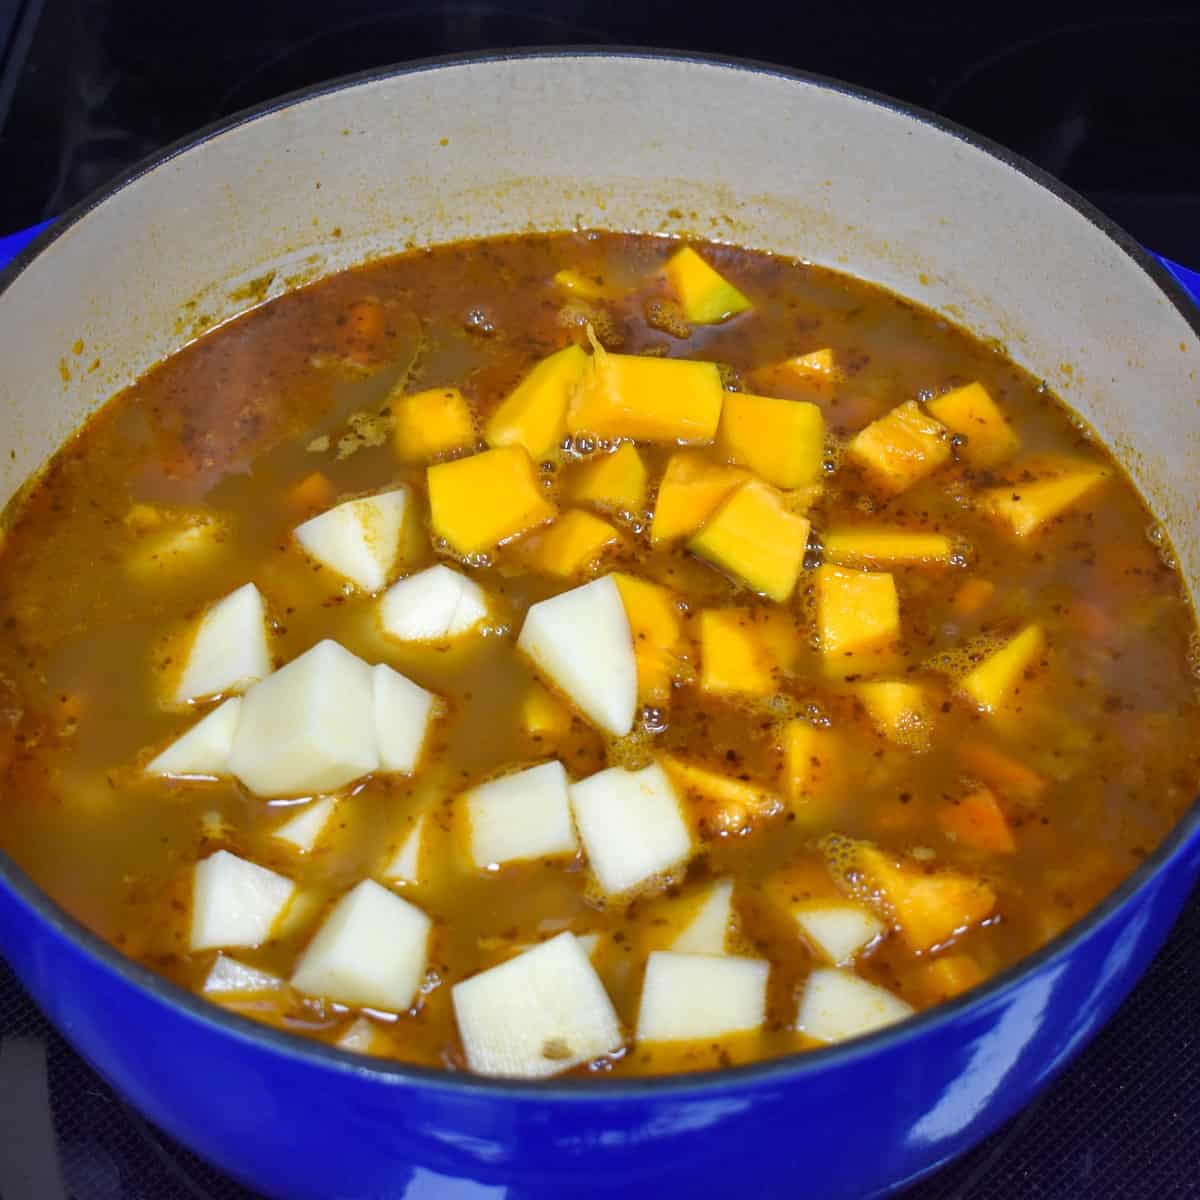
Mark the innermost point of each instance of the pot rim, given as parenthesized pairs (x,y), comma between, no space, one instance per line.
(787,1068)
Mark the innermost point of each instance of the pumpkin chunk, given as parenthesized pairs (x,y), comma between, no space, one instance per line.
(1001,772)
(478,502)
(999,676)
(429,424)
(900,710)
(722,805)
(757,539)
(542,716)
(658,643)
(706,296)
(947,976)
(901,448)
(858,619)
(781,441)
(812,764)
(615,482)
(733,657)
(1025,508)
(977,820)
(865,547)
(576,541)
(692,489)
(971,412)
(534,414)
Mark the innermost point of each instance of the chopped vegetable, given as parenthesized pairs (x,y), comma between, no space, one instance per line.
(203,751)
(901,448)
(734,659)
(227,977)
(691,996)
(235,902)
(900,711)
(312,494)
(535,413)
(947,976)
(972,413)
(403,714)
(430,424)
(1001,772)
(1026,507)
(723,806)
(434,605)
(781,441)
(405,865)
(837,932)
(359,539)
(707,296)
(229,650)
(574,542)
(708,930)
(692,489)
(615,482)
(858,619)
(658,643)
(542,717)
(304,830)
(837,1005)
(870,547)
(525,814)
(811,758)
(973,595)
(999,678)
(978,821)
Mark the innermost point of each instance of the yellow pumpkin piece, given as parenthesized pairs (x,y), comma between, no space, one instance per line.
(733,657)
(900,710)
(649,399)
(723,805)
(757,539)
(928,908)
(858,619)
(477,502)
(1024,508)
(615,481)
(580,284)
(575,541)
(426,425)
(692,489)
(655,622)
(812,764)
(973,595)
(978,821)
(901,448)
(705,295)
(542,716)
(971,412)
(998,678)
(534,414)
(819,364)
(947,976)
(781,441)
(780,636)
(867,547)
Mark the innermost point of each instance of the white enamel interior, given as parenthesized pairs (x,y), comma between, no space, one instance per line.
(610,141)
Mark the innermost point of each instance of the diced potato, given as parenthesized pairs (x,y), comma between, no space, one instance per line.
(1002,772)
(235,902)
(971,412)
(978,821)
(304,906)
(666,400)
(757,539)
(575,542)
(901,448)
(631,826)
(361,1037)
(542,716)
(706,296)
(949,975)
(837,1005)
(900,710)
(227,976)
(708,930)
(304,830)
(534,415)
(781,441)
(434,605)
(229,650)
(427,425)
(581,642)
(522,815)
(1026,507)
(658,643)
(536,1015)
(369,952)
(203,751)
(733,657)
(692,489)
(478,502)
(858,619)
(838,932)
(173,542)
(616,482)
(811,762)
(403,713)
(359,539)
(723,805)
(864,547)
(997,680)
(405,865)
(691,996)
(308,728)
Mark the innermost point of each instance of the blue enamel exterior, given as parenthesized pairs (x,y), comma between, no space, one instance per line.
(293,1119)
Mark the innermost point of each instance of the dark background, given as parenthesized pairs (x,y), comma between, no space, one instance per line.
(1108,100)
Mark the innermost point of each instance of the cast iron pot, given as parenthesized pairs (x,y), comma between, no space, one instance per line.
(769,159)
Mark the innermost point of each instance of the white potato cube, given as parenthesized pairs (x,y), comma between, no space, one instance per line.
(630,824)
(403,713)
(707,930)
(581,642)
(536,1015)
(523,815)
(235,902)
(838,931)
(362,1037)
(405,864)
(305,828)
(837,1005)
(433,605)
(228,976)
(359,539)
(370,951)
(229,650)
(203,751)
(688,996)
(308,728)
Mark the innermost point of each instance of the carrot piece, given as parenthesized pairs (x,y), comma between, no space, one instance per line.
(977,820)
(312,494)
(1001,772)
(972,596)
(948,976)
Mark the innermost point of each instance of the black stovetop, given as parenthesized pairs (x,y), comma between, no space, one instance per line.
(1110,105)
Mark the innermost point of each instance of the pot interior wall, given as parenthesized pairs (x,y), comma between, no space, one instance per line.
(652,144)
